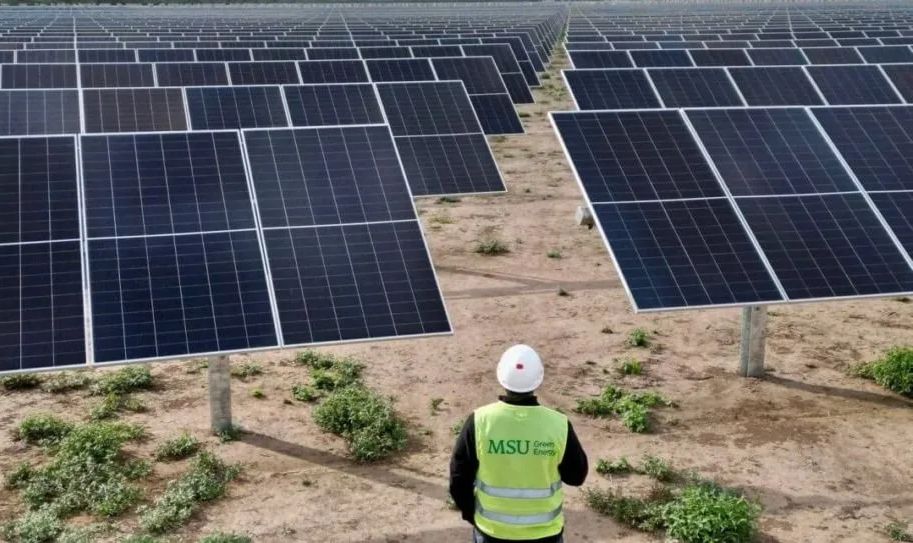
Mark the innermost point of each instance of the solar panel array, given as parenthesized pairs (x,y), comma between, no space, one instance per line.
(746,156)
(176,183)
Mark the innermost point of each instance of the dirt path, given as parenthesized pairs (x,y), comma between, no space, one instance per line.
(829,456)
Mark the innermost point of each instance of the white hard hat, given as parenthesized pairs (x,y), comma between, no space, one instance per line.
(520,369)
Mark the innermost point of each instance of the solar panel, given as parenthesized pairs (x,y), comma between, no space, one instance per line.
(438,51)
(334,276)
(41,304)
(384,52)
(518,88)
(116,75)
(901,75)
(786,86)
(309,177)
(133,110)
(776,57)
(695,87)
(496,113)
(688,253)
(215,108)
(263,73)
(38,76)
(182,74)
(883,54)
(333,105)
(404,69)
(279,54)
(895,208)
(333,71)
(35,112)
(644,155)
(46,56)
(106,55)
(827,246)
(845,85)
(720,57)
(354,281)
(876,142)
(611,89)
(648,59)
(421,109)
(165,55)
(770,151)
(449,164)
(479,74)
(600,59)
(222,55)
(332,53)
(832,55)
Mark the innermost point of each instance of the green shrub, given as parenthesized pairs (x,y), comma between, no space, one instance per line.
(894,371)
(123,381)
(658,469)
(87,472)
(257,393)
(19,476)
(21,381)
(636,513)
(43,429)
(206,480)
(141,538)
(315,360)
(632,408)
(492,247)
(113,404)
(554,254)
(232,433)
(342,374)
(225,538)
(638,338)
(39,526)
(365,419)
(246,370)
(897,531)
(614,467)
(305,393)
(706,513)
(183,446)
(66,381)
(630,366)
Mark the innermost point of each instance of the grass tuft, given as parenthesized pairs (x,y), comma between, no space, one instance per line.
(894,371)
(178,448)
(554,254)
(43,429)
(21,381)
(66,381)
(123,381)
(305,393)
(898,531)
(113,404)
(206,480)
(492,247)
(658,469)
(225,538)
(633,408)
(365,420)
(638,338)
(630,366)
(246,370)
(614,467)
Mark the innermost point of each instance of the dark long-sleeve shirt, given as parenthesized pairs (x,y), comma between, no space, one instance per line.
(465,463)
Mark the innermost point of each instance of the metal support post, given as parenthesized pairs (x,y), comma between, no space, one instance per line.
(754,337)
(220,393)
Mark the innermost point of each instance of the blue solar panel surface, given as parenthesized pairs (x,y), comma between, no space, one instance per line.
(328,105)
(216,108)
(611,89)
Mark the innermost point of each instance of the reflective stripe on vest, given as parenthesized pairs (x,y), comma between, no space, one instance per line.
(519,493)
(518,520)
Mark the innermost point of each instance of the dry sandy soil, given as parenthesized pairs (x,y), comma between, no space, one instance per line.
(829,456)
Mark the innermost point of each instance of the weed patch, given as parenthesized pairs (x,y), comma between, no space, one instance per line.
(123,381)
(639,338)
(365,420)
(436,405)
(305,393)
(257,393)
(225,538)
(43,429)
(113,404)
(206,480)
(894,371)
(614,467)
(554,254)
(630,366)
(246,370)
(492,247)
(633,408)
(67,381)
(897,531)
(21,381)
(183,446)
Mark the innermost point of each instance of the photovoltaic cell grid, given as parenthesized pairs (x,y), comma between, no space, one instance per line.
(611,89)
(816,234)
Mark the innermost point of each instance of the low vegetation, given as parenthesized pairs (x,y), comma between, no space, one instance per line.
(894,371)
(179,448)
(22,381)
(898,531)
(630,366)
(225,538)
(639,338)
(206,480)
(614,467)
(305,393)
(123,381)
(365,420)
(114,404)
(43,429)
(554,254)
(633,408)
(246,370)
(66,381)
(687,509)
(492,247)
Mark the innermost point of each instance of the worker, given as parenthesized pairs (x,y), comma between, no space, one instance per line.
(512,457)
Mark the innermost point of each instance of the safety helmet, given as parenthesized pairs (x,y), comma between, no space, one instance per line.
(520,369)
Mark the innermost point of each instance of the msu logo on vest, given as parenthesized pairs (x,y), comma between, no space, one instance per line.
(521,447)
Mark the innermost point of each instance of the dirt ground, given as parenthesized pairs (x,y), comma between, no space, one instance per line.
(829,456)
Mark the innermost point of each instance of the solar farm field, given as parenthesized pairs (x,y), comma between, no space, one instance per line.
(383,199)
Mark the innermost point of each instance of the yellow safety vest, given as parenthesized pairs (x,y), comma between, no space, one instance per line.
(518,487)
